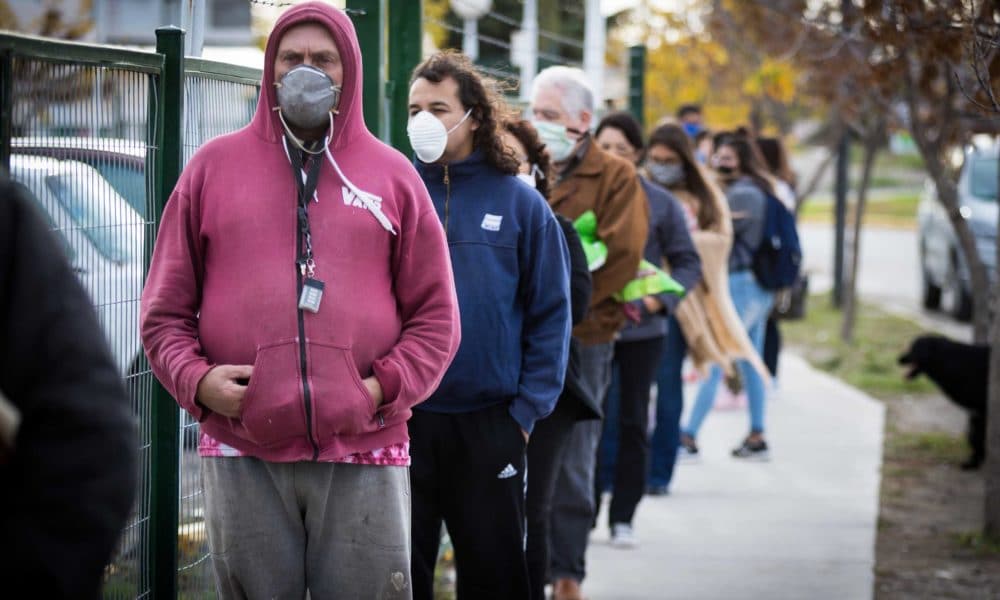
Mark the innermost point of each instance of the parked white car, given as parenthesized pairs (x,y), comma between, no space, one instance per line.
(103,237)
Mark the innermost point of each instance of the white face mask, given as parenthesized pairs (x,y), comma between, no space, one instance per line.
(532,177)
(526,178)
(428,136)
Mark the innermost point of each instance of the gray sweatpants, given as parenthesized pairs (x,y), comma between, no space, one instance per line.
(278,529)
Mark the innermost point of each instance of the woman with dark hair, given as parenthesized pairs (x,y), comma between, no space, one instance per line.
(747,185)
(548,442)
(706,325)
(468,440)
(640,344)
(776,159)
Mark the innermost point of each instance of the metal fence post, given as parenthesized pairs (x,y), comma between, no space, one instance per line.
(369,21)
(841,184)
(405,41)
(6,108)
(164,480)
(636,82)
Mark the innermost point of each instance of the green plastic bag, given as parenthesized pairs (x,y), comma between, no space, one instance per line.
(649,280)
(595,249)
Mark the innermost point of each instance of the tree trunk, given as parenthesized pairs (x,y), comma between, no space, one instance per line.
(992,466)
(814,180)
(947,193)
(871,147)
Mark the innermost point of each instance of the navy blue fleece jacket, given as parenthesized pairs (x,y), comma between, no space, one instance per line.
(511,270)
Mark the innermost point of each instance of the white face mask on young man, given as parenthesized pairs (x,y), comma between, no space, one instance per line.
(428,135)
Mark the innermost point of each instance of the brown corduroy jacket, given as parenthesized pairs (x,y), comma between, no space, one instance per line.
(607,185)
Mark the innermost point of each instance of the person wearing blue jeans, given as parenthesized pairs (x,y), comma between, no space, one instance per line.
(746,187)
(753,304)
(669,406)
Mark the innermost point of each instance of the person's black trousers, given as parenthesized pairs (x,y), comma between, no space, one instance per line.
(635,367)
(546,450)
(467,470)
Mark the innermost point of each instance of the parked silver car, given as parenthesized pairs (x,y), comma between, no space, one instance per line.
(103,238)
(946,282)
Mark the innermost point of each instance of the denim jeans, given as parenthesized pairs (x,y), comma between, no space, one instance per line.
(753,304)
(669,406)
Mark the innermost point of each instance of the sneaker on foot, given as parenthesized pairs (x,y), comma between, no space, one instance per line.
(752,450)
(688,449)
(622,536)
(657,490)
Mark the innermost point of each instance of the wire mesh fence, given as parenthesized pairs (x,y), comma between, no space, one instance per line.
(82,138)
(218,99)
(80,144)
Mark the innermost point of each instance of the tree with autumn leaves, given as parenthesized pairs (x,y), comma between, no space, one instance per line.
(933,68)
(692,59)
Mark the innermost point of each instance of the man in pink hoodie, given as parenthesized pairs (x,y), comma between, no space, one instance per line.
(299,303)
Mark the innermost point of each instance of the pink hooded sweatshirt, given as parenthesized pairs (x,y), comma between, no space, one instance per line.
(223,284)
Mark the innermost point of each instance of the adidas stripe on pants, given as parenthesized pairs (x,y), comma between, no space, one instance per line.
(467,471)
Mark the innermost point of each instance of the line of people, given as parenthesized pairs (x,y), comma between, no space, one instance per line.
(375,348)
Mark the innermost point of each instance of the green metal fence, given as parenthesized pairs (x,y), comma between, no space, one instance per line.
(74,129)
(218,98)
(99,135)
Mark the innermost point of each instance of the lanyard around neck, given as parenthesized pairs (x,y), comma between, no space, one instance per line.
(305,189)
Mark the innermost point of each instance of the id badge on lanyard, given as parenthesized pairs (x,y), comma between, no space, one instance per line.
(312,288)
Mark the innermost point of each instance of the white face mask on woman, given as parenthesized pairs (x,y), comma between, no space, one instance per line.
(428,136)
(530,177)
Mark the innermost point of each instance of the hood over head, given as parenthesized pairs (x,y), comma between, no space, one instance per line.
(349,123)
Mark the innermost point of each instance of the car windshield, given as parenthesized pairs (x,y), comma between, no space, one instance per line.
(102,215)
(983,178)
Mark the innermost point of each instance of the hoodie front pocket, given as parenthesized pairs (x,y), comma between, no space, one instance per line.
(273,410)
(341,402)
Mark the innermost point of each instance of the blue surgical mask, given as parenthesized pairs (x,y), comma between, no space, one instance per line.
(691,129)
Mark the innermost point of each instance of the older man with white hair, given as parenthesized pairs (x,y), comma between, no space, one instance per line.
(601,194)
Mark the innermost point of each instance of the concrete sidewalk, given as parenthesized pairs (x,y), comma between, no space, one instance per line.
(801,526)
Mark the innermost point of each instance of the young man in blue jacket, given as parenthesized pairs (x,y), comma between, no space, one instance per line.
(511,267)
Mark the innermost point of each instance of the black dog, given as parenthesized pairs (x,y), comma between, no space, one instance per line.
(961,371)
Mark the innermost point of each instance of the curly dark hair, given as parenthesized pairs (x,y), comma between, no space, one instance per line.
(526,133)
(478,93)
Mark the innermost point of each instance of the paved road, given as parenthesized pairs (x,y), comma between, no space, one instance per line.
(890,273)
(800,526)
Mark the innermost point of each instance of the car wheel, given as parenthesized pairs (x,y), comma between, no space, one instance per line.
(955,299)
(930,296)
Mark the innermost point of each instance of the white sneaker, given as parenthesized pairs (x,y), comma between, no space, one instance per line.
(622,536)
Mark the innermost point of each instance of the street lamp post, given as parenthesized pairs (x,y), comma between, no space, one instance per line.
(470,11)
